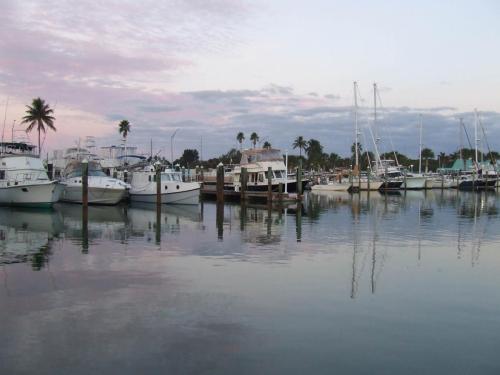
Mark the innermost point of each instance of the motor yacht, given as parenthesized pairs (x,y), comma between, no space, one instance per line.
(23,178)
(173,189)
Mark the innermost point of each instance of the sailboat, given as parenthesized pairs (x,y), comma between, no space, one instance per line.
(476,179)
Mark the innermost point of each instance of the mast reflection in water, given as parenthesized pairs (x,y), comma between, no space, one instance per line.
(361,283)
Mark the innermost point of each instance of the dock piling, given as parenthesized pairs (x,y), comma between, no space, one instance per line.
(85,183)
(220,183)
(269,185)
(244,181)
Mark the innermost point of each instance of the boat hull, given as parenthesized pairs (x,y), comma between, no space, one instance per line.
(332,187)
(96,195)
(474,185)
(30,195)
(391,185)
(181,197)
(415,183)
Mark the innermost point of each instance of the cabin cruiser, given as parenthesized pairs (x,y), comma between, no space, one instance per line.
(23,178)
(395,177)
(257,162)
(102,189)
(173,189)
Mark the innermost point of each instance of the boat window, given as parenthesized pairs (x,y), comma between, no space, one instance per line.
(277,174)
(2,175)
(261,177)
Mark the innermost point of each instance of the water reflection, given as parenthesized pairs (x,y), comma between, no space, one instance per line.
(27,236)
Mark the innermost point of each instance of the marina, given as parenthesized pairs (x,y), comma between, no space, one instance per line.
(249,187)
(376,272)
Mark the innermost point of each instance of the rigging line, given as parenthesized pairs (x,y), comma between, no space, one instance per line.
(382,108)
(468,140)
(487,143)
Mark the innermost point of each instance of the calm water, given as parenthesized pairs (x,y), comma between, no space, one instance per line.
(347,285)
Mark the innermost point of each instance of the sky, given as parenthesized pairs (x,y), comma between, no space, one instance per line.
(213,68)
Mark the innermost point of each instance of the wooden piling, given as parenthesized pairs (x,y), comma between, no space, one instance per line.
(299,178)
(50,171)
(220,183)
(85,206)
(158,185)
(269,185)
(243,181)
(85,183)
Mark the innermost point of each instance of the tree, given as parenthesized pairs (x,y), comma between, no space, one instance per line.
(266,144)
(300,143)
(124,129)
(314,153)
(240,137)
(39,115)
(427,154)
(332,160)
(189,158)
(254,138)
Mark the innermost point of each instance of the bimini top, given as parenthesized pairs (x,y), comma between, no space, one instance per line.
(255,155)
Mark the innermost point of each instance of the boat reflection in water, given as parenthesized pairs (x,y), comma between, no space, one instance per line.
(27,235)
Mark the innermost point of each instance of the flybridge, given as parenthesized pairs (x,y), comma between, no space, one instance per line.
(17,148)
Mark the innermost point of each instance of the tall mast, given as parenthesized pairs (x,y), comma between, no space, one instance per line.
(375,111)
(475,136)
(356,142)
(420,148)
(462,141)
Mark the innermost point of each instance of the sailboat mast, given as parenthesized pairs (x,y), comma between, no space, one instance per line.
(375,111)
(356,141)
(420,148)
(462,141)
(475,136)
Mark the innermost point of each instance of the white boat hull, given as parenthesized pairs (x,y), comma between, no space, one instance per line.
(415,183)
(372,186)
(29,194)
(181,197)
(96,195)
(335,186)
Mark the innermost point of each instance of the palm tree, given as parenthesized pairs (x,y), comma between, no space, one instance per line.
(266,144)
(240,137)
(427,154)
(254,138)
(300,143)
(39,115)
(124,129)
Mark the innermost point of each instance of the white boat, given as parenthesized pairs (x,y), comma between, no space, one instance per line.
(413,181)
(173,189)
(257,161)
(23,178)
(333,186)
(102,189)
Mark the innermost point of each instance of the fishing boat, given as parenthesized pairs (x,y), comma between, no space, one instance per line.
(174,190)
(23,178)
(257,162)
(102,189)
